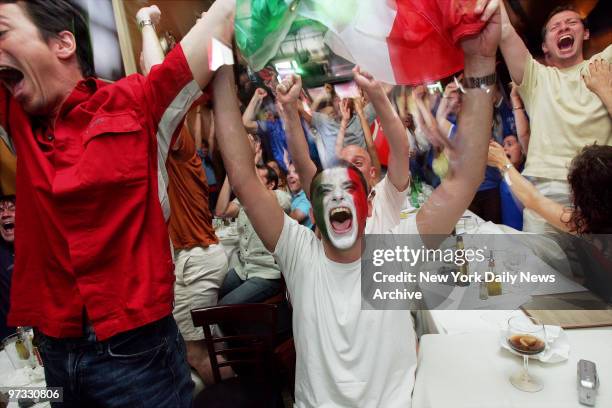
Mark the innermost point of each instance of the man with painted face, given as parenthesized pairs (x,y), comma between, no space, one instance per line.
(568,104)
(347,356)
(391,190)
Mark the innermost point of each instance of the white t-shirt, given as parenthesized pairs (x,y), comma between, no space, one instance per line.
(346,357)
(386,206)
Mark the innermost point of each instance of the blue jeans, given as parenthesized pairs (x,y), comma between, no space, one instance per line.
(144,367)
(254,290)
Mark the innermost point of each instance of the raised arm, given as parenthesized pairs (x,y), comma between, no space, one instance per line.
(225,208)
(288,93)
(526,193)
(152,53)
(426,120)
(399,148)
(261,206)
(512,47)
(523,128)
(346,116)
(468,151)
(327,95)
(444,124)
(367,135)
(599,81)
(217,23)
(248,117)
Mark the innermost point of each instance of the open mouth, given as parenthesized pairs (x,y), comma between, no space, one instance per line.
(565,43)
(11,77)
(341,219)
(8,226)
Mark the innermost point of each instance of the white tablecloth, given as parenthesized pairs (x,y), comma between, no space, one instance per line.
(464,366)
(471,370)
(10,378)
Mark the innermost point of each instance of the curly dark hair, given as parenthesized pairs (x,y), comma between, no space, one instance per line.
(590,178)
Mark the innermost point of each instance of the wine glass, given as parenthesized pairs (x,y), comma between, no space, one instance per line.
(527,337)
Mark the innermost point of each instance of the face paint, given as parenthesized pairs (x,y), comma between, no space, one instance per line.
(340,205)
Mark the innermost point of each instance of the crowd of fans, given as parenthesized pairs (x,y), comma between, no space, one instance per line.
(110,172)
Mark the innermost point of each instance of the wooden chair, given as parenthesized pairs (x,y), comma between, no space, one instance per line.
(251,355)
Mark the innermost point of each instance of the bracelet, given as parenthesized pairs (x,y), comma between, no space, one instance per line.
(145,22)
(506,167)
(518,108)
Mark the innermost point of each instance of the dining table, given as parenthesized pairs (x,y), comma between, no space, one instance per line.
(462,361)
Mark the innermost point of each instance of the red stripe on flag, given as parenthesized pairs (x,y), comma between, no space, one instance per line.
(424,40)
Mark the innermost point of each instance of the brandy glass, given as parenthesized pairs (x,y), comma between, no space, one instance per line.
(527,337)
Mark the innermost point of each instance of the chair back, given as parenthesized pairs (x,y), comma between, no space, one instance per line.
(251,350)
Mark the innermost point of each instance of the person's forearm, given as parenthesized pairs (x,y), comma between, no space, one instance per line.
(197,128)
(215,23)
(248,117)
(260,205)
(152,52)
(467,157)
(340,138)
(211,134)
(367,135)
(532,199)
(298,147)
(523,129)
(430,128)
(303,113)
(317,101)
(444,125)
(395,131)
(223,199)
(474,126)
(523,190)
(513,48)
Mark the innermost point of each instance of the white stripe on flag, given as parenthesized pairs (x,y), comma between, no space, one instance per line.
(364,40)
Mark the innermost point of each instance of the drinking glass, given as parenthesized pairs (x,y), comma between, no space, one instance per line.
(527,337)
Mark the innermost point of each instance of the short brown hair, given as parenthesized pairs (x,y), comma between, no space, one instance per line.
(559,9)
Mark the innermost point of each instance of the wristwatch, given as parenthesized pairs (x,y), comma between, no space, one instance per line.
(145,22)
(483,82)
(507,167)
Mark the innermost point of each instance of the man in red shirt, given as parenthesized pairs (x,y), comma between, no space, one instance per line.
(93,271)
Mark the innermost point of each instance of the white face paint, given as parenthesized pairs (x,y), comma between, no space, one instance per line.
(337,199)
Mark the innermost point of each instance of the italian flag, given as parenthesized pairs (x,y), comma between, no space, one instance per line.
(398,41)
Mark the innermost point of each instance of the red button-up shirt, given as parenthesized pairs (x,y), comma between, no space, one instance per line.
(90,222)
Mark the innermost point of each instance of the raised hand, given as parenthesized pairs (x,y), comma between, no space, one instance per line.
(420,92)
(497,156)
(358,104)
(366,81)
(260,93)
(486,42)
(599,79)
(450,89)
(288,91)
(152,13)
(345,111)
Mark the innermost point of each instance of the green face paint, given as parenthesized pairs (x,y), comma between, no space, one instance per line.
(340,205)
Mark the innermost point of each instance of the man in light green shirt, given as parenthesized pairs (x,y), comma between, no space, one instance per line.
(568,102)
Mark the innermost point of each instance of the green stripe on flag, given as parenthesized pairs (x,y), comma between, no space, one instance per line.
(260,28)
